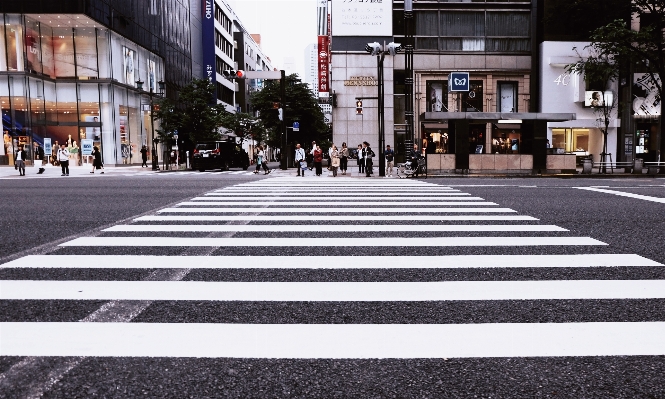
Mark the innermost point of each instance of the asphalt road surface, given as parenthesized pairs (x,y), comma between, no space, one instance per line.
(235,285)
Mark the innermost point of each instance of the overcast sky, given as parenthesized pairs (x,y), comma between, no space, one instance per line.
(286,27)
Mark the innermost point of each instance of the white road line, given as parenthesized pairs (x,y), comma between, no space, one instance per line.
(403,200)
(332,341)
(349,195)
(391,228)
(337,210)
(329,262)
(325,218)
(328,242)
(335,203)
(333,190)
(624,194)
(330,291)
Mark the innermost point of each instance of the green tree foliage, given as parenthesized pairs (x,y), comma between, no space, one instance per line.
(644,48)
(199,115)
(242,124)
(601,70)
(299,106)
(169,119)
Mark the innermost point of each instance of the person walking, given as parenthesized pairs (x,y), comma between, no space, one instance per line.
(39,157)
(334,160)
(97,162)
(63,159)
(343,158)
(318,160)
(369,154)
(361,159)
(144,156)
(310,156)
(264,160)
(390,157)
(19,160)
(299,159)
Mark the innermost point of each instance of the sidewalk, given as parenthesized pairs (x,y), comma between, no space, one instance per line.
(50,170)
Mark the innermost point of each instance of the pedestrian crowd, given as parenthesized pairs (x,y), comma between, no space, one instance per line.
(338,159)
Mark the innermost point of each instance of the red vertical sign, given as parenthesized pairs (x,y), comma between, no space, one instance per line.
(324,86)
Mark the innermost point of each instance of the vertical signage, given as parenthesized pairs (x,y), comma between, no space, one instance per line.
(322,14)
(86,146)
(324,87)
(208,29)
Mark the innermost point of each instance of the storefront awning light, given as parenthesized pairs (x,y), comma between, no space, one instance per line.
(509,121)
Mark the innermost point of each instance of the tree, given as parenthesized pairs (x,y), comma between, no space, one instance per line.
(602,70)
(200,116)
(644,48)
(299,106)
(241,124)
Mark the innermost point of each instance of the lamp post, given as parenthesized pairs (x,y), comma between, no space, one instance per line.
(151,94)
(380,53)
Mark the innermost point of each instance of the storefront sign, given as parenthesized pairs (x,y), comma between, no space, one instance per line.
(48,147)
(208,32)
(86,146)
(645,93)
(361,81)
(324,87)
(362,17)
(458,81)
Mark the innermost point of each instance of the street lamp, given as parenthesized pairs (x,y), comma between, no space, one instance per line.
(151,94)
(379,51)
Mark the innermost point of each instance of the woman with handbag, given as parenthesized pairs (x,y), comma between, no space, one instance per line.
(97,163)
(318,160)
(343,158)
(334,160)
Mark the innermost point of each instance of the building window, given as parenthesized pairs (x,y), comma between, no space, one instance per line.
(507,97)
(224,94)
(472,101)
(437,96)
(223,19)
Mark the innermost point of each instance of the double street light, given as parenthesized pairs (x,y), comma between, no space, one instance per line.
(151,93)
(380,52)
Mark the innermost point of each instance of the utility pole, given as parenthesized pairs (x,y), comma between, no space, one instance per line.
(408,80)
(283,157)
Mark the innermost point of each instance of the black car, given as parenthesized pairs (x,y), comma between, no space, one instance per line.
(219,155)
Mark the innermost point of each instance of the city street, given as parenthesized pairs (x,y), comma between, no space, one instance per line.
(201,285)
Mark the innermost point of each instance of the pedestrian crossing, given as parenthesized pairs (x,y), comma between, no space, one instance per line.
(284,241)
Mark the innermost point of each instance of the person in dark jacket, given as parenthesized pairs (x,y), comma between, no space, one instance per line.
(144,156)
(368,155)
(39,157)
(97,163)
(20,160)
(318,160)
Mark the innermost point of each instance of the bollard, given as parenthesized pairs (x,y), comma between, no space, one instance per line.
(639,165)
(587,165)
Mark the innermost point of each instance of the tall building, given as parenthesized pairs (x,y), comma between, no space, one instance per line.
(290,65)
(70,73)
(311,68)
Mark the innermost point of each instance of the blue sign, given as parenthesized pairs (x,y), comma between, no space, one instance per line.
(296,126)
(208,42)
(458,81)
(86,146)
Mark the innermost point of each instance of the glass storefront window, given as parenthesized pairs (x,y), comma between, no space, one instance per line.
(85,40)
(63,53)
(3,53)
(506,140)
(507,99)
(48,61)
(438,142)
(33,46)
(14,42)
(437,96)
(104,53)
(472,101)
(570,141)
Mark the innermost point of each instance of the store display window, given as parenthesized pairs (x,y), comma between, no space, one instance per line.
(507,98)
(506,140)
(570,141)
(472,101)
(437,95)
(438,142)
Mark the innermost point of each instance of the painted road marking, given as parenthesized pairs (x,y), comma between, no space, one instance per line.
(336,210)
(335,203)
(624,194)
(312,218)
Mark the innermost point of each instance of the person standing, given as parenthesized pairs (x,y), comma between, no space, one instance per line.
(369,154)
(299,159)
(144,156)
(318,160)
(264,160)
(97,162)
(390,157)
(63,159)
(19,160)
(361,159)
(39,157)
(310,156)
(343,158)
(415,156)
(334,160)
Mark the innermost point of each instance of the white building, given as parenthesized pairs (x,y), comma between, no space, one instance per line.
(311,68)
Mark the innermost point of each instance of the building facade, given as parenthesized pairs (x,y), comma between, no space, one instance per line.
(70,74)
(311,68)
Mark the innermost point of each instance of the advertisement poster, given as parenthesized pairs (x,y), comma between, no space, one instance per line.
(323,58)
(48,147)
(63,51)
(362,17)
(33,48)
(151,76)
(435,96)
(48,67)
(129,56)
(208,45)
(646,100)
(86,147)
(93,132)
(86,55)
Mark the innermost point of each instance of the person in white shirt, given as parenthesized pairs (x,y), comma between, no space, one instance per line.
(19,161)
(63,158)
(299,159)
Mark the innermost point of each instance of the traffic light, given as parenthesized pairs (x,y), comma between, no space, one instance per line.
(373,48)
(233,74)
(394,48)
(359,107)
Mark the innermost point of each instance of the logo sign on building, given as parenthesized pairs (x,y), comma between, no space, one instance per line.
(458,81)
(323,57)
(48,147)
(362,17)
(296,126)
(208,32)
(86,146)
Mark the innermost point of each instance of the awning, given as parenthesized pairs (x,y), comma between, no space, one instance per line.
(497,116)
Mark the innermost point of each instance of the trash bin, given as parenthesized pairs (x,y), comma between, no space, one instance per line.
(652,169)
(587,165)
(639,165)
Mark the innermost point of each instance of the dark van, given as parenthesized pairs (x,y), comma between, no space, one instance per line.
(219,155)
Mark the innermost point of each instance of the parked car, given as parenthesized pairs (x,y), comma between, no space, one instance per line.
(219,155)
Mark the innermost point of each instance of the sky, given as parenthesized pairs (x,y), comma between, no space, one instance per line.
(286,27)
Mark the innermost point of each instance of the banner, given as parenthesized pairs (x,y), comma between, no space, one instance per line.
(323,57)
(208,30)
(362,17)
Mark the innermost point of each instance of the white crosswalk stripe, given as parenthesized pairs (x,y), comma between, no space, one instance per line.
(293,226)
